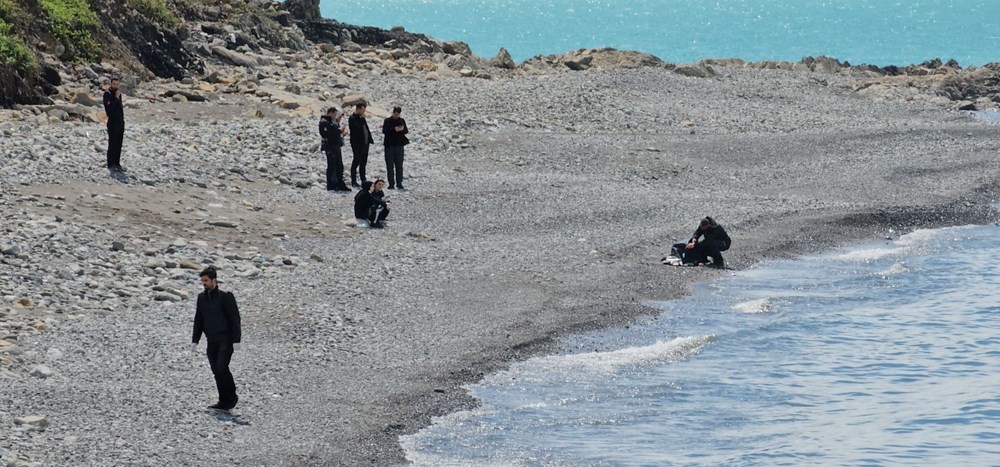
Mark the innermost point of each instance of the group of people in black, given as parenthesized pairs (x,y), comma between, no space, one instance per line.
(371,206)
(217,316)
(334,134)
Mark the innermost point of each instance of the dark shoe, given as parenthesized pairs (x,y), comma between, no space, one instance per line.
(217,406)
(378,225)
(391,187)
(718,264)
(232,404)
(354,184)
(400,187)
(121,169)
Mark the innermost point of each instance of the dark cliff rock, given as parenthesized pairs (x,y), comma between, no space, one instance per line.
(303,10)
(157,48)
(335,32)
(306,14)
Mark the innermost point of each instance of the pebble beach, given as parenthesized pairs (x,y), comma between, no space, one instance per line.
(538,205)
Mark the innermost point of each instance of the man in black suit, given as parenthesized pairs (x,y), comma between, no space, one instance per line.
(218,317)
(361,139)
(116,125)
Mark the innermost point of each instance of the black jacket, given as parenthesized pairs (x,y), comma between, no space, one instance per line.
(113,107)
(393,137)
(714,232)
(330,132)
(360,134)
(365,201)
(217,316)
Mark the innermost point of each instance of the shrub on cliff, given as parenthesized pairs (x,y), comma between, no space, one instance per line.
(73,22)
(156,10)
(10,12)
(14,53)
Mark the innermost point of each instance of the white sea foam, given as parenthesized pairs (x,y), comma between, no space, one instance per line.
(897,268)
(583,364)
(910,243)
(761,305)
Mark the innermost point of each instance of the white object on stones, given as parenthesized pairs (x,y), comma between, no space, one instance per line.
(41,371)
(36,421)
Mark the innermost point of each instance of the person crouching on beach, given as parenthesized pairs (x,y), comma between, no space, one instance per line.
(370,209)
(714,240)
(332,135)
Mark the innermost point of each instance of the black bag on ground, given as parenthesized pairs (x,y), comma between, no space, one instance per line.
(679,250)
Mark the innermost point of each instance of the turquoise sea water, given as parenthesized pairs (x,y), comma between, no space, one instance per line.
(880,32)
(882,354)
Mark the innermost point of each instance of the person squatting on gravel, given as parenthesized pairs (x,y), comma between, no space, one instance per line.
(361,139)
(370,208)
(395,130)
(332,133)
(116,125)
(218,317)
(714,240)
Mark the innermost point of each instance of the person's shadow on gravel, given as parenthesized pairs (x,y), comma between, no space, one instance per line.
(224,416)
(120,177)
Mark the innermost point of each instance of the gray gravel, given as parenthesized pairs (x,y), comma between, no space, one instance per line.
(538,207)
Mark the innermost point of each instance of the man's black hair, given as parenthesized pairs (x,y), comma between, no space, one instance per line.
(397,109)
(360,105)
(331,110)
(209,272)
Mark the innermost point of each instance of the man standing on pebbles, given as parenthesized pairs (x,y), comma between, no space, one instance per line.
(116,125)
(361,139)
(218,317)
(333,139)
(395,131)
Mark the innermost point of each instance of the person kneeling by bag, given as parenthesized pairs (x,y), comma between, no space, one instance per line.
(713,241)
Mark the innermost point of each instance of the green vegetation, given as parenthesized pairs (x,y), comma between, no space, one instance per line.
(13,52)
(10,12)
(73,23)
(157,11)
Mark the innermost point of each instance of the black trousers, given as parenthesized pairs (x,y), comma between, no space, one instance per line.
(116,133)
(394,165)
(334,169)
(376,215)
(219,355)
(700,252)
(707,248)
(359,162)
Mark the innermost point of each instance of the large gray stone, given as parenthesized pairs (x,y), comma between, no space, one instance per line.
(503,60)
(41,371)
(36,421)
(698,70)
(234,57)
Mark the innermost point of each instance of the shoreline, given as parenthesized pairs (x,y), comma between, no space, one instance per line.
(788,164)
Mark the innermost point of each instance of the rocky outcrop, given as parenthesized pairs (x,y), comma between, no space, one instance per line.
(303,10)
(157,48)
(697,70)
(503,60)
(334,32)
(15,89)
(601,59)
